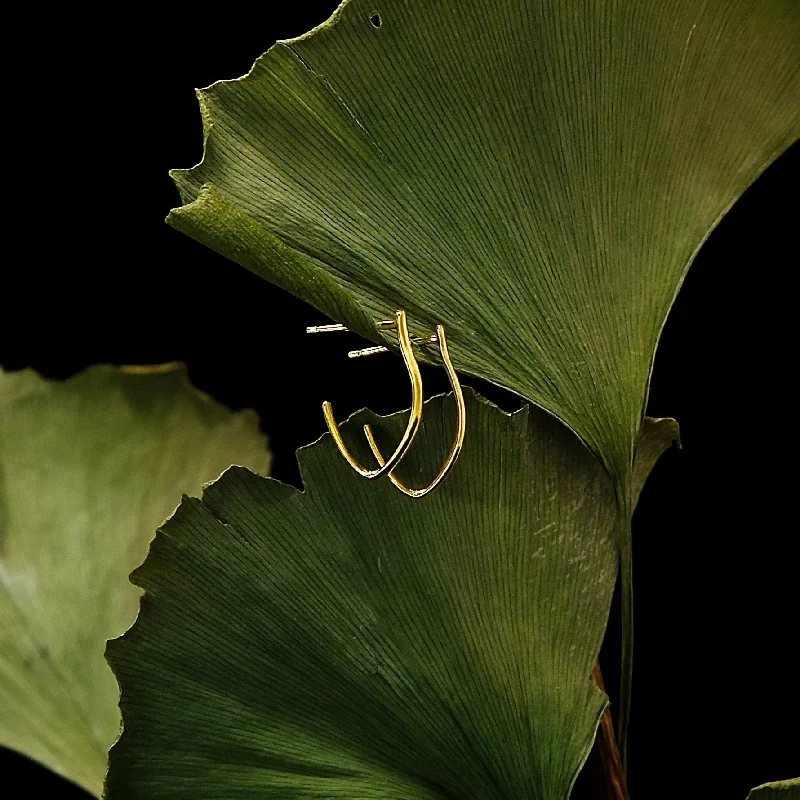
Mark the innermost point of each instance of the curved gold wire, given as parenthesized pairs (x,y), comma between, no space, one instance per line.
(455,450)
(414,420)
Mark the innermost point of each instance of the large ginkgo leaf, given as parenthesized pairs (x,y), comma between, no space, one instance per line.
(349,642)
(88,469)
(780,790)
(536,176)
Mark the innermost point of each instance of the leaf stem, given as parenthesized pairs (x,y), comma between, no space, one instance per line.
(608,769)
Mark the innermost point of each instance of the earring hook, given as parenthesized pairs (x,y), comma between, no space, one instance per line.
(415,418)
(458,442)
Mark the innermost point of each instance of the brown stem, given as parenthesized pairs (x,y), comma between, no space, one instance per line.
(606,762)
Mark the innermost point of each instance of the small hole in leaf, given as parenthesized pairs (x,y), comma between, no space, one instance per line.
(376,20)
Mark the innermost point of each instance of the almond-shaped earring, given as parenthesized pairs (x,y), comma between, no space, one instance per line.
(458,442)
(386,466)
(415,418)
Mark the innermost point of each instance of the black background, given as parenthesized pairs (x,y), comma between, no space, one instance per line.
(102,108)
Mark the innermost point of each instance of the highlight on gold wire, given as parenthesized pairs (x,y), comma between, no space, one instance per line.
(458,442)
(407,343)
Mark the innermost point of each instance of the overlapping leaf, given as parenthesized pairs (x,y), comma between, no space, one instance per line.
(536,176)
(88,469)
(780,790)
(349,642)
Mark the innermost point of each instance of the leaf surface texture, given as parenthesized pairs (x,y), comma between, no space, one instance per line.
(347,641)
(88,469)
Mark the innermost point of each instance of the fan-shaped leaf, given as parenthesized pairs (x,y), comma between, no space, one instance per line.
(351,642)
(536,176)
(88,469)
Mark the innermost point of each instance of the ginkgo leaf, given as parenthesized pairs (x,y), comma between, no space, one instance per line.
(780,790)
(88,469)
(536,176)
(348,641)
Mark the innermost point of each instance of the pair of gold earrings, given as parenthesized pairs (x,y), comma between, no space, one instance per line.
(386,465)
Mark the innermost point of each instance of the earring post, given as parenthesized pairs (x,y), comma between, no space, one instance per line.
(371,351)
(368,351)
(325,328)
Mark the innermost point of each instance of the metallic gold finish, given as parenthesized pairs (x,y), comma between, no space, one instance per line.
(371,351)
(325,328)
(414,419)
(368,351)
(386,466)
(458,442)
(338,327)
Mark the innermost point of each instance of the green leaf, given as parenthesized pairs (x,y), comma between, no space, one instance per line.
(350,642)
(535,176)
(780,790)
(88,469)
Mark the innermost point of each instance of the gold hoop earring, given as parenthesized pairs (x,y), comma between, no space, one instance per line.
(458,442)
(415,418)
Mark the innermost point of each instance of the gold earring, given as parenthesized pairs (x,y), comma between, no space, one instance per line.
(400,324)
(458,442)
